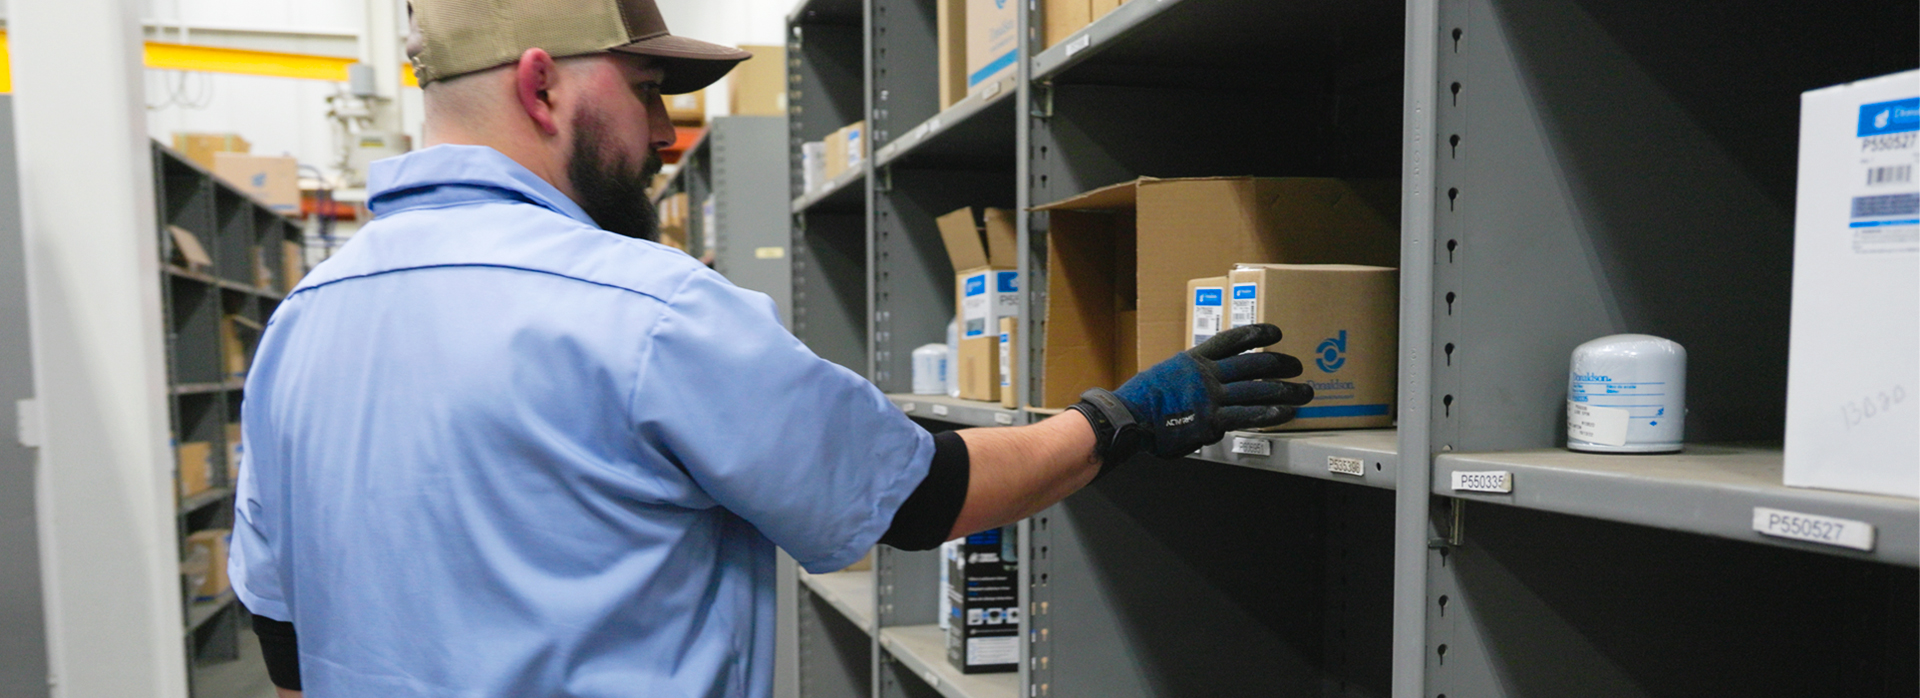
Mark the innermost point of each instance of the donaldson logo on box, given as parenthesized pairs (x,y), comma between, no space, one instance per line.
(1332,353)
(1242,292)
(1206,296)
(1007,282)
(976,285)
(1897,116)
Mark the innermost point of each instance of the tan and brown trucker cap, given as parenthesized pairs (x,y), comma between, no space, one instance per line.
(447,38)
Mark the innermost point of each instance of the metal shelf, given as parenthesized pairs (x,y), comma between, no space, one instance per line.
(837,195)
(195,388)
(850,593)
(198,501)
(923,649)
(975,413)
(199,612)
(980,125)
(1708,489)
(677,182)
(1327,455)
(228,284)
(825,12)
(1158,42)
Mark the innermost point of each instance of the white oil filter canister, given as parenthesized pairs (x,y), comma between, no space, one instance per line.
(1627,393)
(930,369)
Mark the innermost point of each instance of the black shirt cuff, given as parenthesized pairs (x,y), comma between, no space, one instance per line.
(926,518)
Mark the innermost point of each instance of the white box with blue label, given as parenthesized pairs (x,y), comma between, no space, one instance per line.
(986,288)
(1853,379)
(1206,309)
(1342,322)
(993,40)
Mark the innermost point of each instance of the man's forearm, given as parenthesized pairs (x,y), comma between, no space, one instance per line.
(1017,471)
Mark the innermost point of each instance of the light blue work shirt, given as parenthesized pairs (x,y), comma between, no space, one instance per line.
(494,450)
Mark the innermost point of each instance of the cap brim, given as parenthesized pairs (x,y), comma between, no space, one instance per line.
(691,64)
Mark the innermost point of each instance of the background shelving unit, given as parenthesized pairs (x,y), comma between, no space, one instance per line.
(1569,169)
(740,162)
(248,278)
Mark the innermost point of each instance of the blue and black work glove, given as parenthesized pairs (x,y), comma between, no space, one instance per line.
(1196,397)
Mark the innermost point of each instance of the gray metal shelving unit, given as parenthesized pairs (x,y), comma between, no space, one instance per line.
(243,238)
(1570,169)
(740,162)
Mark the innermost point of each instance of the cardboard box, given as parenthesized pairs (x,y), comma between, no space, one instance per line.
(212,543)
(1119,257)
(238,335)
(813,166)
(983,624)
(986,288)
(688,109)
(273,181)
(993,40)
(758,87)
(200,147)
(951,40)
(1062,18)
(195,461)
(1206,309)
(293,264)
(1343,322)
(187,250)
(845,149)
(236,452)
(1853,386)
(1009,334)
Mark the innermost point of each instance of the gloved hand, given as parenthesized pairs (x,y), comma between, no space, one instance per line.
(1196,397)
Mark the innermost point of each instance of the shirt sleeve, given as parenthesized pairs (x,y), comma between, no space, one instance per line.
(252,564)
(810,453)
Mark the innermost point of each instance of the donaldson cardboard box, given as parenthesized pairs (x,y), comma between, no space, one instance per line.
(688,109)
(293,264)
(1064,17)
(1343,322)
(983,625)
(1120,256)
(813,166)
(200,147)
(212,543)
(986,288)
(1853,386)
(951,39)
(1206,309)
(758,87)
(195,462)
(187,250)
(993,40)
(274,181)
(845,149)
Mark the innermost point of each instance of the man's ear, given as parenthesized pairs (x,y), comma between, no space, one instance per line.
(533,77)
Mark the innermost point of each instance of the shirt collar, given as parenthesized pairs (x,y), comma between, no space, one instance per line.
(394,184)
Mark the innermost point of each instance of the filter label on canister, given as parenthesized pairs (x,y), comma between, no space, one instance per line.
(1596,424)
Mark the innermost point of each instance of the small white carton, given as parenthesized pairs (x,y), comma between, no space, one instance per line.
(1853,368)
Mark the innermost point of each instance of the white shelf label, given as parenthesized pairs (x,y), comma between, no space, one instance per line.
(1346,466)
(1078,45)
(932,679)
(1499,481)
(1252,447)
(906,407)
(991,90)
(1003,419)
(1813,528)
(940,410)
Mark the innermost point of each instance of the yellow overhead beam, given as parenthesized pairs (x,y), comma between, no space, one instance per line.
(209,59)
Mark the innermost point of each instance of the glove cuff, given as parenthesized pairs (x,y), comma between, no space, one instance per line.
(1117,435)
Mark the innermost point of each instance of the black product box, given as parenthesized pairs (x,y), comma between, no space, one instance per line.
(983,627)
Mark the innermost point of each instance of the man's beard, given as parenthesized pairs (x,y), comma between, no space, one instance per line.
(608,186)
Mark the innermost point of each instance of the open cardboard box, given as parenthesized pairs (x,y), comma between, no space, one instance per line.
(1119,258)
(986,288)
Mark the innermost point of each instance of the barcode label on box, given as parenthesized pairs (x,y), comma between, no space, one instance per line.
(1890,174)
(1813,528)
(1499,481)
(1252,447)
(1346,466)
(939,410)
